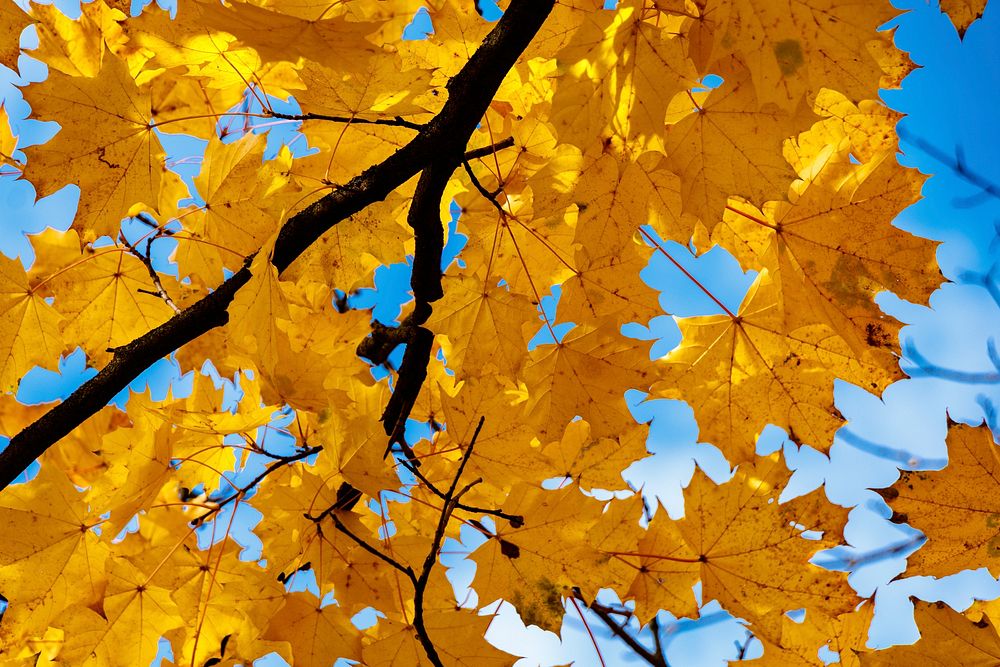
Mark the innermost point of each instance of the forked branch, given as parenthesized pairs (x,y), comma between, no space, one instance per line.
(447,134)
(419,578)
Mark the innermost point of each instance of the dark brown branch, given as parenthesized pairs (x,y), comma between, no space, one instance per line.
(477,153)
(412,373)
(654,658)
(153,275)
(397,121)
(515,520)
(281,462)
(470,93)
(451,500)
(492,198)
(425,280)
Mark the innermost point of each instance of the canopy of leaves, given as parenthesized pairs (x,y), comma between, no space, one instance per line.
(574,141)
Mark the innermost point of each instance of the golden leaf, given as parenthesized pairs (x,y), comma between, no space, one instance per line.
(106,146)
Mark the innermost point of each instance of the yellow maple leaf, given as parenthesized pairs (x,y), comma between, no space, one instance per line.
(595,462)
(947,638)
(833,248)
(8,140)
(747,550)
(135,616)
(793,47)
(634,58)
(615,200)
(76,46)
(586,375)
(730,145)
(106,145)
(535,565)
(50,557)
(287,31)
(487,326)
(954,507)
(741,371)
(318,634)
(104,294)
(963,12)
(29,327)
(13,21)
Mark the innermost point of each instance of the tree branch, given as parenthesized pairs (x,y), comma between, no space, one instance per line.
(448,133)
(397,121)
(451,500)
(153,275)
(280,462)
(653,658)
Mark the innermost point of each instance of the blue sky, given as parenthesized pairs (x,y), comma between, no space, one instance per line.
(950,104)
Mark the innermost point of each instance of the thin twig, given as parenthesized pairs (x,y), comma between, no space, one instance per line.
(148,263)
(477,153)
(654,659)
(956,164)
(420,588)
(397,121)
(145,219)
(405,569)
(741,649)
(515,520)
(654,627)
(282,462)
(923,367)
(491,197)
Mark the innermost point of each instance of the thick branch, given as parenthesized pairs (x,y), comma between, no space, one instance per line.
(470,93)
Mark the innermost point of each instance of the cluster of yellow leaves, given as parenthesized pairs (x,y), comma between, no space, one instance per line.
(789,164)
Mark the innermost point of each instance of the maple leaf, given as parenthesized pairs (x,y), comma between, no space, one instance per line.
(729,146)
(946,638)
(106,146)
(586,375)
(290,30)
(795,46)
(13,21)
(317,633)
(30,327)
(50,558)
(801,641)
(742,370)
(76,47)
(634,60)
(105,295)
(953,507)
(534,566)
(963,12)
(134,617)
(722,542)
(615,201)
(487,326)
(8,141)
(831,254)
